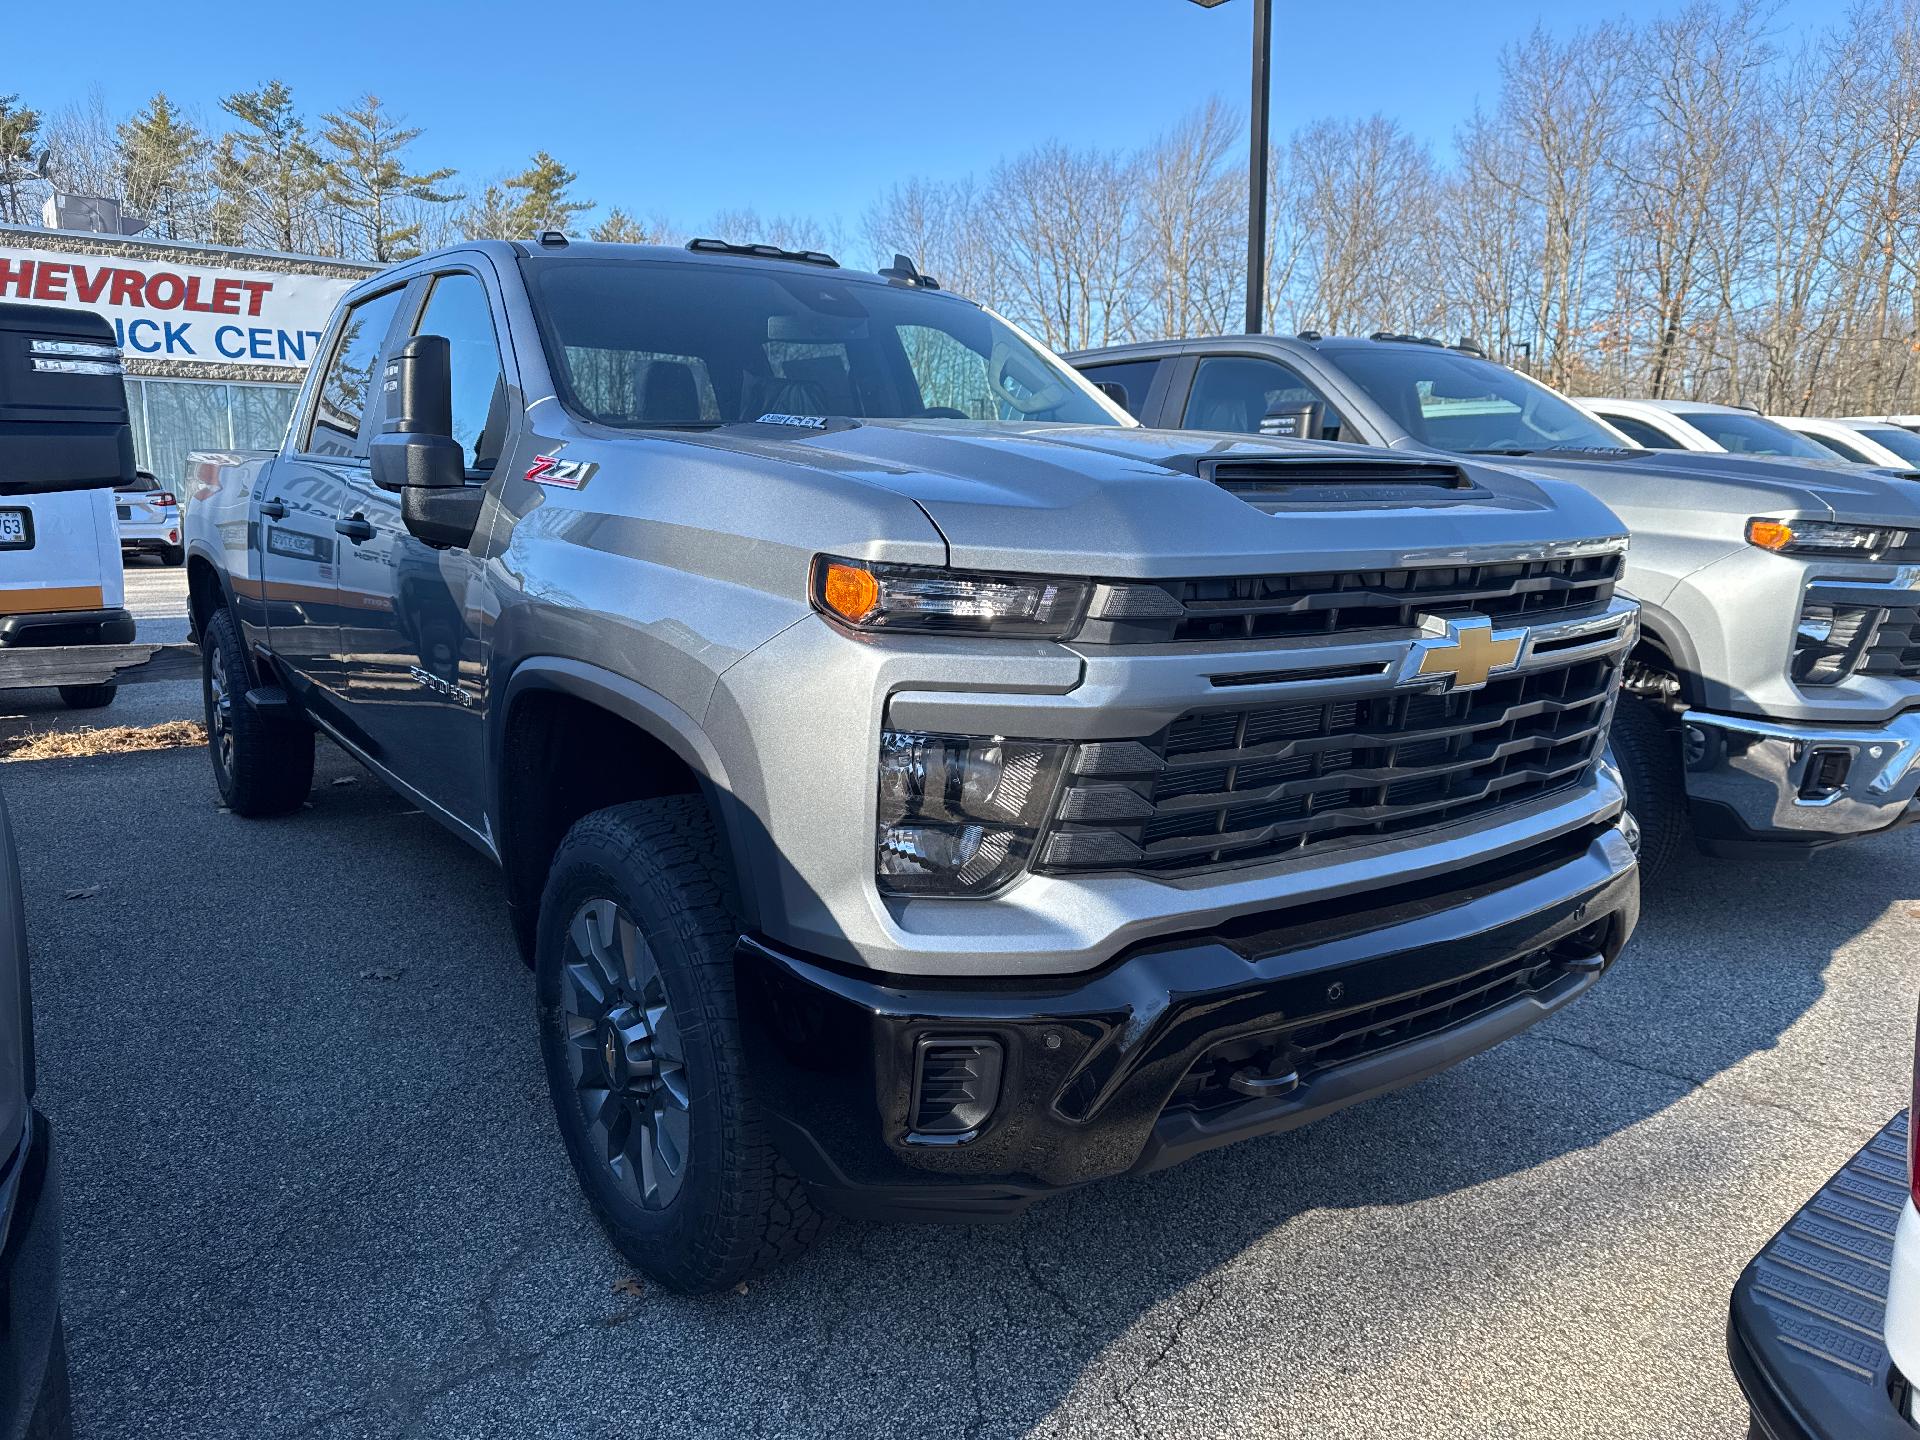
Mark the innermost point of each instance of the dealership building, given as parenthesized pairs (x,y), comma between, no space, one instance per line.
(216,340)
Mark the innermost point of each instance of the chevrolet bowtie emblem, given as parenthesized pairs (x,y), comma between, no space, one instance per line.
(1467,649)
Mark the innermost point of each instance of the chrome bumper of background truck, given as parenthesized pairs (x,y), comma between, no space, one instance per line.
(1798,783)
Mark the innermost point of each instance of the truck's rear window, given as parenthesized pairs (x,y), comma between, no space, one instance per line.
(652,344)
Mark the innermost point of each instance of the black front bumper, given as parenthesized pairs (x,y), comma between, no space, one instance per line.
(1804,1331)
(67,627)
(29,1279)
(1178,1046)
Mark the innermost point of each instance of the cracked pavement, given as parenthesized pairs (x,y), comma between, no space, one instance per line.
(305,1201)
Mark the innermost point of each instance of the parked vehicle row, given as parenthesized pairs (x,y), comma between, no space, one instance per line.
(920,788)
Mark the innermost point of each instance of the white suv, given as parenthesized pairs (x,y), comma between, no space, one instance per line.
(149,516)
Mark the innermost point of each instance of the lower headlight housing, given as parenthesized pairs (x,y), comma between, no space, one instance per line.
(959,814)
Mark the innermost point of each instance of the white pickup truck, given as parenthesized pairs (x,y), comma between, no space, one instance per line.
(63,411)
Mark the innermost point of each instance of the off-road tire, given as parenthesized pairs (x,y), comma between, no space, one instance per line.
(88,697)
(267,768)
(1647,750)
(738,1208)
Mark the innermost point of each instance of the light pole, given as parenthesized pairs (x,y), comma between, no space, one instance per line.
(1257,159)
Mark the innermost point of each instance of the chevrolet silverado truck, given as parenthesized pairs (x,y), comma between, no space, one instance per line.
(919,790)
(1772,703)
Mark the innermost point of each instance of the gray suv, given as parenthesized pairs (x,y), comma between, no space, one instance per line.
(1773,701)
(918,789)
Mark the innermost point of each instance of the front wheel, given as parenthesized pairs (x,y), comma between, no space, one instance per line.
(1648,754)
(263,764)
(641,1038)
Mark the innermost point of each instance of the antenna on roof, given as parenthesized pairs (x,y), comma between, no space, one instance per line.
(904,272)
(553,239)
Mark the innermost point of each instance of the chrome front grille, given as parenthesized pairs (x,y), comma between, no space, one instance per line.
(1246,784)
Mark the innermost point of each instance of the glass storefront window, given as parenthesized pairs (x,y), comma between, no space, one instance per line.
(173,418)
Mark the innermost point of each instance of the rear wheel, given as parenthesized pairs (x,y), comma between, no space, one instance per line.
(88,697)
(173,555)
(262,763)
(1647,751)
(638,1028)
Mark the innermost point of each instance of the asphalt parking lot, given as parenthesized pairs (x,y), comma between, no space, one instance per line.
(312,1186)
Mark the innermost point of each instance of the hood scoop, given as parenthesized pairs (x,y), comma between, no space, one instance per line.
(1284,482)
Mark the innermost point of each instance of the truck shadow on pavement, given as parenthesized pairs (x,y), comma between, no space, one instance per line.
(313,1185)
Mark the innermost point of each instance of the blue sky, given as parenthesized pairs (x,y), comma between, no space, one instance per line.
(805,108)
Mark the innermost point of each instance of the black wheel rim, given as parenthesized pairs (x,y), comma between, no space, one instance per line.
(219,710)
(624,1055)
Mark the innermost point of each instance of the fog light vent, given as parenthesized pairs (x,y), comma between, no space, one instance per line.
(956,1084)
(1826,774)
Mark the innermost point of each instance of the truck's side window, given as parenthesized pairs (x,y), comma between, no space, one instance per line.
(349,383)
(1237,392)
(1641,433)
(1134,377)
(457,308)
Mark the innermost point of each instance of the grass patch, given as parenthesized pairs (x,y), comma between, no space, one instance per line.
(105,740)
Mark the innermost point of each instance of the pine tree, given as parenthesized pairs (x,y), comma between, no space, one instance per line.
(160,158)
(543,202)
(621,228)
(365,174)
(268,172)
(21,158)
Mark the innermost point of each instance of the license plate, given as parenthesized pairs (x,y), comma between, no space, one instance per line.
(125,512)
(14,534)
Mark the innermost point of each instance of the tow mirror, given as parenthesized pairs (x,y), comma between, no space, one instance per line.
(416,455)
(63,402)
(1295,422)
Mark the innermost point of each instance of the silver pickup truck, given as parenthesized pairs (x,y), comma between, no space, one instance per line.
(1773,702)
(919,789)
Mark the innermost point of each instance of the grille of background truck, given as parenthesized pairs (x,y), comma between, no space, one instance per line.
(1260,607)
(1249,784)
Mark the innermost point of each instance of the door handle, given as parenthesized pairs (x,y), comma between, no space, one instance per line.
(273,509)
(357,529)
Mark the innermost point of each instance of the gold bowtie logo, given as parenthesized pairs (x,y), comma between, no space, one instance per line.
(1469,651)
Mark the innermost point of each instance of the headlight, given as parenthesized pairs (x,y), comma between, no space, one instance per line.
(1824,537)
(901,597)
(959,814)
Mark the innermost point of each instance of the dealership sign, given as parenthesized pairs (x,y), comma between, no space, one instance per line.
(163,311)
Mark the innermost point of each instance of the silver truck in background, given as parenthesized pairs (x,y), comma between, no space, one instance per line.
(919,789)
(1773,700)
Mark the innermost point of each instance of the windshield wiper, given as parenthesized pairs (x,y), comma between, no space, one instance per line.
(1502,450)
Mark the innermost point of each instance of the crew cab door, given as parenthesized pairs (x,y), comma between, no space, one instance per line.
(412,650)
(301,492)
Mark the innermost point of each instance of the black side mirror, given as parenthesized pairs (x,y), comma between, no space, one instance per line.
(416,454)
(1115,392)
(1295,422)
(63,402)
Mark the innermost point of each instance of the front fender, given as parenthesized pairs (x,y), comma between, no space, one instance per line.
(656,716)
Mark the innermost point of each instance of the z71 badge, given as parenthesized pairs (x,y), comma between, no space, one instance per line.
(567,474)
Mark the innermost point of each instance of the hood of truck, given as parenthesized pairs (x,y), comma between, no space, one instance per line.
(1643,485)
(1130,502)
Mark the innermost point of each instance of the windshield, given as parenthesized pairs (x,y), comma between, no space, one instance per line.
(1903,443)
(1753,435)
(1450,401)
(650,345)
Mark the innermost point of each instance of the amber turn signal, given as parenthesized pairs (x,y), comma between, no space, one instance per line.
(1770,534)
(850,592)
